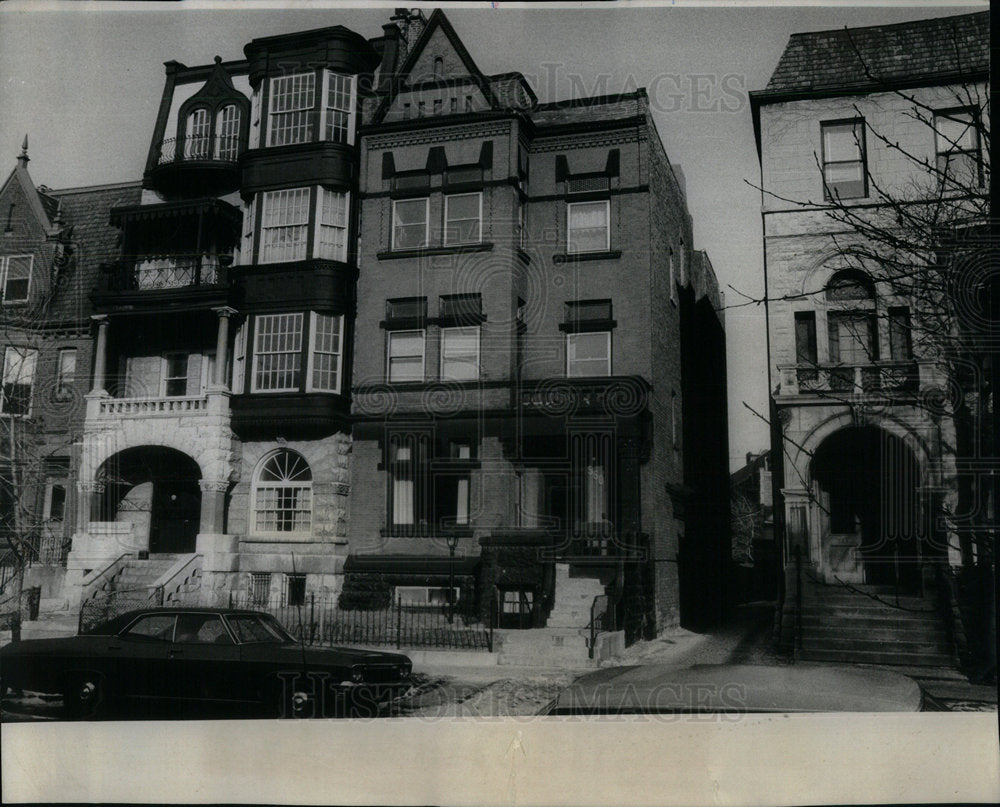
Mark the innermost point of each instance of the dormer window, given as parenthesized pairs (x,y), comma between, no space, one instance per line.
(15,278)
(227,132)
(300,114)
(196,135)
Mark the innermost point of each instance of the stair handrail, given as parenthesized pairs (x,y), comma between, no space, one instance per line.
(92,584)
(160,588)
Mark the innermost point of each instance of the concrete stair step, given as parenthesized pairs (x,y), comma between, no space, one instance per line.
(835,612)
(876,645)
(886,633)
(880,658)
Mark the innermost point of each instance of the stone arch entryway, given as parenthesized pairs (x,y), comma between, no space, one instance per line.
(157,490)
(869,509)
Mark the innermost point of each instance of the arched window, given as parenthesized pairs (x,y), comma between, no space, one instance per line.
(282,494)
(851,321)
(227,132)
(196,144)
(438,67)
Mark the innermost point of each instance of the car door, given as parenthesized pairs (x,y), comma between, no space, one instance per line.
(204,659)
(137,657)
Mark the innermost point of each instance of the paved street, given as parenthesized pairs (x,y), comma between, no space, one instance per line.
(449,691)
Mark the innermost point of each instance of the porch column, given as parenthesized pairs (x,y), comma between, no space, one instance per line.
(100,355)
(213,505)
(221,346)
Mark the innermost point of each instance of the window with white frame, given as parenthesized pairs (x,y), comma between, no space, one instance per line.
(18,377)
(326,352)
(845,161)
(405,359)
(277,354)
(227,132)
(293,99)
(332,230)
(282,494)
(410,223)
(588,354)
(460,353)
(15,277)
(588,226)
(196,135)
(463,218)
(284,225)
(66,374)
(340,105)
(174,377)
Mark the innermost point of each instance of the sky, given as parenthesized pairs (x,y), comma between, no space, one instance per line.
(84,81)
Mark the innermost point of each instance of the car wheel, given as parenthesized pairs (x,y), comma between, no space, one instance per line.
(294,704)
(83,696)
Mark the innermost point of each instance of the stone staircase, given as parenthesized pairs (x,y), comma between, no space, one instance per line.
(139,574)
(852,626)
(564,642)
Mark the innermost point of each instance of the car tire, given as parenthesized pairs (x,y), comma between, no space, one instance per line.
(294,705)
(84,696)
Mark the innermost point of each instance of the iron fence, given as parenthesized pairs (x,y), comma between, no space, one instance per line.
(318,621)
(100,609)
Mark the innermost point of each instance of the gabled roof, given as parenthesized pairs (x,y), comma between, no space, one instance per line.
(43,206)
(922,51)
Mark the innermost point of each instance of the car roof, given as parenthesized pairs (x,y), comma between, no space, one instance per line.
(656,688)
(115,624)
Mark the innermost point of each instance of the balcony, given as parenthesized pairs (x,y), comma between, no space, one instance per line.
(841,380)
(151,282)
(197,166)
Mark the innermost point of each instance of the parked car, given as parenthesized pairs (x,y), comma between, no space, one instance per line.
(215,656)
(656,689)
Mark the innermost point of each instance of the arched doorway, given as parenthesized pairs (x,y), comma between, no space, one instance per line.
(871,529)
(157,490)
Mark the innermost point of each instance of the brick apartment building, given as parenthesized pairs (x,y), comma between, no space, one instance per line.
(864,467)
(384,327)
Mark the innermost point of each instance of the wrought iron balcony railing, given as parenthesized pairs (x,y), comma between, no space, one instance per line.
(162,273)
(225,149)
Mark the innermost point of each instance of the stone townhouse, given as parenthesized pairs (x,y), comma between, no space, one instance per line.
(51,244)
(864,466)
(384,328)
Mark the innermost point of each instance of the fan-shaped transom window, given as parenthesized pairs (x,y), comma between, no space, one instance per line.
(850,286)
(283,494)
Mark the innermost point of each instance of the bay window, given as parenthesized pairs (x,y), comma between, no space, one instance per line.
(284,225)
(278,352)
(325,355)
(332,230)
(301,112)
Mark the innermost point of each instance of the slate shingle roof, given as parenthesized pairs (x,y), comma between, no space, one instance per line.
(910,51)
(87,211)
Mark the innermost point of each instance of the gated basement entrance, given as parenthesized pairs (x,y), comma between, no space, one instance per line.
(157,490)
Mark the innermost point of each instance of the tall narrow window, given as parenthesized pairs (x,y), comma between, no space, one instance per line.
(410,223)
(246,248)
(853,330)
(227,133)
(285,225)
(174,380)
(292,101)
(587,227)
(460,353)
(282,494)
(407,465)
(845,168)
(18,377)
(326,352)
(340,108)
(333,225)
(277,356)
(805,338)
(900,338)
(15,276)
(196,135)
(405,356)
(958,146)
(293,590)
(66,374)
(463,213)
(258,588)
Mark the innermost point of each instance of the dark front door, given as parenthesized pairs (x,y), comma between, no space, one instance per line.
(176,516)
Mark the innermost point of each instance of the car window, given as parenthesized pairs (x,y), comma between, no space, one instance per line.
(152,628)
(249,628)
(201,629)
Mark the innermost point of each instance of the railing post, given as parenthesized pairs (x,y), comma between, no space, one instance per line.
(399,621)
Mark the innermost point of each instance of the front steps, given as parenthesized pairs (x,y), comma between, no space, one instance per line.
(841,625)
(574,597)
